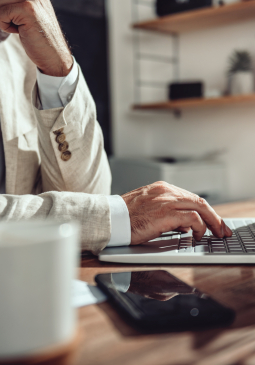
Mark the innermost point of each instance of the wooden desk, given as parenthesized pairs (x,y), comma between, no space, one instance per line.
(108,340)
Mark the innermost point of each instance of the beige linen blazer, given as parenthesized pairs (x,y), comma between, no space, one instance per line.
(39,184)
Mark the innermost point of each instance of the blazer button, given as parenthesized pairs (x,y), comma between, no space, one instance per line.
(66,156)
(63,147)
(61,138)
(58,131)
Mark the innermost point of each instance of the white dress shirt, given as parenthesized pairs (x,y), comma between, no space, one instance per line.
(55,92)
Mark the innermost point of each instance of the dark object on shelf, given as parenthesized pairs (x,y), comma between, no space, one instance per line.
(170,159)
(185,90)
(166,7)
(166,159)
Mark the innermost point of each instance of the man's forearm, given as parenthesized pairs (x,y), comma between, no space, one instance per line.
(92,211)
(39,32)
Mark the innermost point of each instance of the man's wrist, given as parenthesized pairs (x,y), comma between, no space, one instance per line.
(59,69)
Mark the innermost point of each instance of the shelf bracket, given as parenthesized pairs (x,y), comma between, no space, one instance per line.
(138,56)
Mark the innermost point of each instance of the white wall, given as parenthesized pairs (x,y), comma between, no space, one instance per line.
(203,55)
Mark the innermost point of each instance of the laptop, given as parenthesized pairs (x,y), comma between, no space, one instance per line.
(178,248)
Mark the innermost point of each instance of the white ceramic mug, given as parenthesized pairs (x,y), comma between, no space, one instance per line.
(38,262)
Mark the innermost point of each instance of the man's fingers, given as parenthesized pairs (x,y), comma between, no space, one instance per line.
(182,229)
(227,229)
(9,28)
(14,15)
(207,213)
(8,13)
(190,219)
(189,201)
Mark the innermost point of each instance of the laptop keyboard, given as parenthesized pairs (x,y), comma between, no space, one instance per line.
(242,241)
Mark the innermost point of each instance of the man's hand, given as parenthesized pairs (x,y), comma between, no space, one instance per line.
(159,285)
(40,34)
(160,207)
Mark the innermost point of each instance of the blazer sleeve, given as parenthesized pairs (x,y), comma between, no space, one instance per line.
(80,163)
(91,211)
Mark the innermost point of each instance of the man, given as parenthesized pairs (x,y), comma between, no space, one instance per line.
(53,145)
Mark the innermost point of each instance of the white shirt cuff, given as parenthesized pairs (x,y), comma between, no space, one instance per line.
(120,222)
(56,92)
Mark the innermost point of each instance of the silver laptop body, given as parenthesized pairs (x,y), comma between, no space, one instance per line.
(177,248)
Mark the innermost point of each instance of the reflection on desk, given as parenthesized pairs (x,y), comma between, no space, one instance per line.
(110,341)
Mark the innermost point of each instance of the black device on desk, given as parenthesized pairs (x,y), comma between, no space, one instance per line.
(157,301)
(166,7)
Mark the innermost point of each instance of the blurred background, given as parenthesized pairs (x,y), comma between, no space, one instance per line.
(188,68)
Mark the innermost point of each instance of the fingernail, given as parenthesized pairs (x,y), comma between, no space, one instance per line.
(222,231)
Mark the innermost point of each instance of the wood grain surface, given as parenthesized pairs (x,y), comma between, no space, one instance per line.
(180,104)
(109,340)
(200,18)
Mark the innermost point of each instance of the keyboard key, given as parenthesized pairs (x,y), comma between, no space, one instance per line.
(186,237)
(218,250)
(208,232)
(189,234)
(250,250)
(186,242)
(186,250)
(238,223)
(229,223)
(165,238)
(184,246)
(248,222)
(201,249)
(168,247)
(169,236)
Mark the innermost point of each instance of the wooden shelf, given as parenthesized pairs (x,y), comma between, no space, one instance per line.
(200,19)
(197,103)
